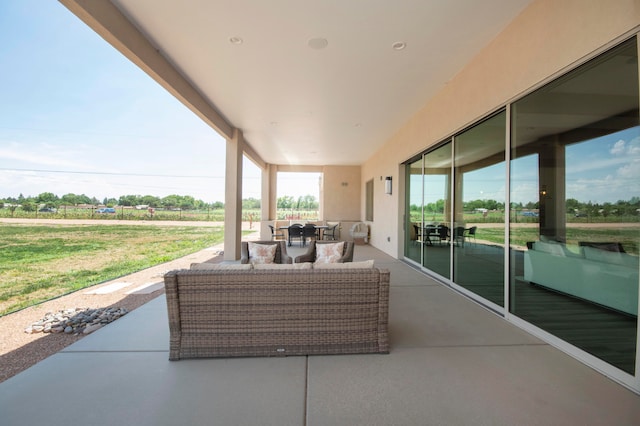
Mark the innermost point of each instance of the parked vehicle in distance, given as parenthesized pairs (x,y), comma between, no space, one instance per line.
(106,210)
(47,210)
(531,214)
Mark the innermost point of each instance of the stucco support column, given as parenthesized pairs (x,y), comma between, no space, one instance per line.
(458,206)
(272,179)
(233,197)
(265,194)
(552,191)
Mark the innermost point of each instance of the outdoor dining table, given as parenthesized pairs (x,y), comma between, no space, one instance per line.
(434,231)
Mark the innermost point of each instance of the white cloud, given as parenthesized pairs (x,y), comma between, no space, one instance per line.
(618,148)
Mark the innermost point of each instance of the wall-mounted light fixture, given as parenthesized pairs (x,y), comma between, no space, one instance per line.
(387,185)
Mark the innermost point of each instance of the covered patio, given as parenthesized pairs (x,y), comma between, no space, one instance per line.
(451,362)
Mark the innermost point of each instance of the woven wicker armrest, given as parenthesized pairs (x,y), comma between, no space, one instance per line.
(307,257)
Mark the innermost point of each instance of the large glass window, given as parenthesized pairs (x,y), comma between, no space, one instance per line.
(436,230)
(413,222)
(478,227)
(575,207)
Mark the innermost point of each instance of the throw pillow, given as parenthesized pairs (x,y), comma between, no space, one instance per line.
(365,264)
(329,253)
(221,266)
(262,253)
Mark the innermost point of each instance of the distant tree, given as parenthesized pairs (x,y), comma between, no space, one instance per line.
(250,204)
(28,206)
(70,199)
(129,200)
(285,202)
(308,202)
(48,198)
(151,200)
(217,205)
(170,201)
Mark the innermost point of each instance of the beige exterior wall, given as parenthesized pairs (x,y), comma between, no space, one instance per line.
(339,194)
(341,188)
(548,38)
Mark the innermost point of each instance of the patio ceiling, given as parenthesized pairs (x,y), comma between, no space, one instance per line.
(316,83)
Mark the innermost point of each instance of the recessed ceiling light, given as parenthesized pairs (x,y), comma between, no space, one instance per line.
(235,40)
(399,45)
(317,43)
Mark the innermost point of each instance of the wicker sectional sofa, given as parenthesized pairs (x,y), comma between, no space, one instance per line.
(277,312)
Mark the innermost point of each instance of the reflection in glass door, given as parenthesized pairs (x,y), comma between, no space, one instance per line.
(413,209)
(436,229)
(575,233)
(478,227)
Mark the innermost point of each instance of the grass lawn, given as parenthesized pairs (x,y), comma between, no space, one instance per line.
(38,263)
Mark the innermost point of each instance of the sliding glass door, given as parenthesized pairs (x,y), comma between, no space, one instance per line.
(479,209)
(575,190)
(413,208)
(436,230)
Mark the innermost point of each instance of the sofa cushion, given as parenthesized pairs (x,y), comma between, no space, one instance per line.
(612,257)
(303,265)
(549,247)
(262,253)
(221,266)
(365,264)
(329,253)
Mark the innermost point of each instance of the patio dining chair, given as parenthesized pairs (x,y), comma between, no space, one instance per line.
(443,233)
(308,233)
(276,234)
(471,232)
(295,231)
(331,233)
(458,235)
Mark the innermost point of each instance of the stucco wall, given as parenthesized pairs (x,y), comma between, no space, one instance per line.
(548,37)
(341,188)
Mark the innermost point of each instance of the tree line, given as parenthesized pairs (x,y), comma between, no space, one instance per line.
(573,206)
(183,202)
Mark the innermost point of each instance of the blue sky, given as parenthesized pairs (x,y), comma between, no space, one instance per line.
(76,116)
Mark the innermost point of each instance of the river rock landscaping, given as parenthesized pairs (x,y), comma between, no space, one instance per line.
(76,320)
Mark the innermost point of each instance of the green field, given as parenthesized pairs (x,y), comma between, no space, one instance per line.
(214,215)
(38,263)
(128,213)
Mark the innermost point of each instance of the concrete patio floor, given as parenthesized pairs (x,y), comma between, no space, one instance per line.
(451,363)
